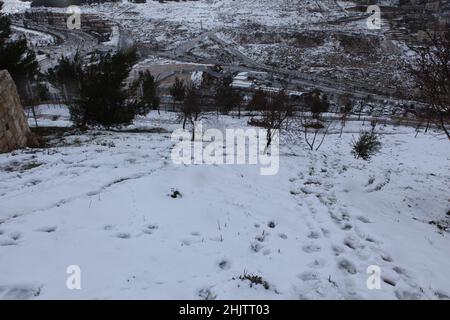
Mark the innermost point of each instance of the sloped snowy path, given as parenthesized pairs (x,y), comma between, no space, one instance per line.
(101,201)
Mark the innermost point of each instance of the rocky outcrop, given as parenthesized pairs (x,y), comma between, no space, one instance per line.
(14,130)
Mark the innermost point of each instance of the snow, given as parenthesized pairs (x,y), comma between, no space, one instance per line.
(101,200)
(197,78)
(114,38)
(15,6)
(36,38)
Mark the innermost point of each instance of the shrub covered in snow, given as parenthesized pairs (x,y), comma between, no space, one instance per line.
(366,145)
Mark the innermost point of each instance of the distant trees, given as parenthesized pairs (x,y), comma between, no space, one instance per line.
(275,110)
(67,75)
(225,97)
(257,101)
(145,88)
(15,56)
(315,127)
(345,108)
(431,71)
(317,102)
(191,110)
(178,90)
(101,96)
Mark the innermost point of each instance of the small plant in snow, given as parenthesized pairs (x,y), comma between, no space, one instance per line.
(254,280)
(366,145)
(175,194)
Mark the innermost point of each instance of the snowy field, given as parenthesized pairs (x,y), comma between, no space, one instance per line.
(101,200)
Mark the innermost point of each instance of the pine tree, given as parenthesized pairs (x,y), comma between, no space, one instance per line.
(145,87)
(178,90)
(15,56)
(99,86)
(366,145)
(226,98)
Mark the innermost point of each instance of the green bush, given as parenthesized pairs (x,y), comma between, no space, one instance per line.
(97,92)
(366,145)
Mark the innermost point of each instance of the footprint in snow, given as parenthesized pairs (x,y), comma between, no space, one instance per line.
(338,250)
(363,219)
(311,248)
(256,246)
(185,242)
(15,236)
(347,266)
(123,235)
(314,235)
(150,228)
(7,243)
(317,263)
(352,244)
(271,224)
(372,240)
(308,276)
(283,236)
(47,229)
(224,264)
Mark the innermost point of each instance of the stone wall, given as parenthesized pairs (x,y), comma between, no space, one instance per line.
(14,130)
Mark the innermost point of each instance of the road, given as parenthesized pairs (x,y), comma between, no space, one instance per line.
(72,41)
(68,43)
(296,78)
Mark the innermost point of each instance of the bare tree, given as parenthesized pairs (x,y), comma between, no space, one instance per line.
(345,108)
(312,125)
(191,109)
(315,131)
(276,109)
(431,71)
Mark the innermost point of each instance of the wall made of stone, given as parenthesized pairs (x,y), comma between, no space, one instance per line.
(14,130)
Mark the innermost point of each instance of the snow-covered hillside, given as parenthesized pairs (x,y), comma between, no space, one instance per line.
(102,201)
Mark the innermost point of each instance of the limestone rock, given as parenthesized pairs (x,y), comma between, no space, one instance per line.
(14,130)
